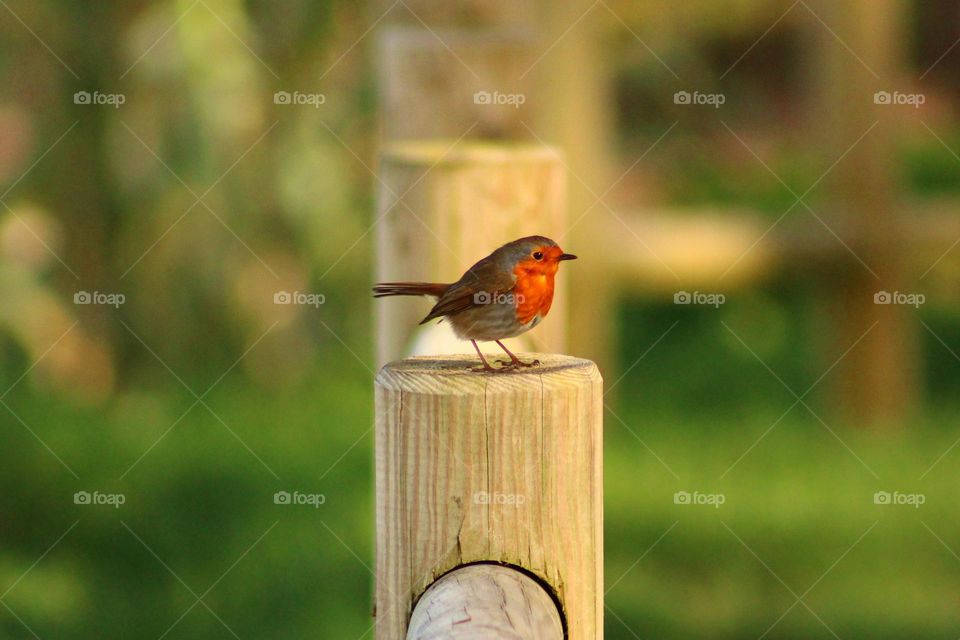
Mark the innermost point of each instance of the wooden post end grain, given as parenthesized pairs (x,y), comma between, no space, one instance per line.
(485,601)
(502,468)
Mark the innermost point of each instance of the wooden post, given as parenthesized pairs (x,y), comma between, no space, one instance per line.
(428,92)
(878,381)
(442,207)
(486,601)
(503,468)
(575,110)
(434,55)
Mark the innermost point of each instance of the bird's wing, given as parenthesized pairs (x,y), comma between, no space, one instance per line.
(484,277)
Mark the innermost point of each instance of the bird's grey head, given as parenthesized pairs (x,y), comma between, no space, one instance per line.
(519,249)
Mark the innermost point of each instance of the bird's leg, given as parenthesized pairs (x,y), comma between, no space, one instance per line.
(514,360)
(486,366)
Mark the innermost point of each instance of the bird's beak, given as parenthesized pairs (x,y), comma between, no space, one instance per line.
(566,256)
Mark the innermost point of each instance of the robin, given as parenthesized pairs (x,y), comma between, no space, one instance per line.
(503,295)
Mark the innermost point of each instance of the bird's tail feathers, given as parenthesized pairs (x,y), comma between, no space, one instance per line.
(385,289)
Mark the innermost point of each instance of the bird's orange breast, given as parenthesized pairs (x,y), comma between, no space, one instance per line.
(534,294)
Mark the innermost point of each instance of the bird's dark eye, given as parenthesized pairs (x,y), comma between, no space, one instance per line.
(538,255)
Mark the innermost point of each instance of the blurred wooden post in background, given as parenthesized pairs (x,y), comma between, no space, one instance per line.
(429,92)
(446,199)
(477,468)
(876,382)
(441,209)
(576,111)
(434,55)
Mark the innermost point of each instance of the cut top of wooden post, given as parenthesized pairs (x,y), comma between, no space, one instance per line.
(454,374)
(440,152)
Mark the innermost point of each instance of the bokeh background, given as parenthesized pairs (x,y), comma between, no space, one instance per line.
(146,162)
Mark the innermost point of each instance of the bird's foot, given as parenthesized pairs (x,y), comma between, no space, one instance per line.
(484,368)
(513,364)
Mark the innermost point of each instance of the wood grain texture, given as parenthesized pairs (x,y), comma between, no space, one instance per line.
(442,207)
(482,601)
(476,467)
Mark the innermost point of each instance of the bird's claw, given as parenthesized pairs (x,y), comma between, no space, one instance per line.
(513,364)
(484,369)
(506,365)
